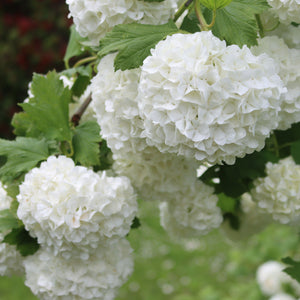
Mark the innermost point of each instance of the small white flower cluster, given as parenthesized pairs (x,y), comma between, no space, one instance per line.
(272,280)
(278,193)
(78,216)
(199,98)
(287,10)
(251,220)
(192,212)
(115,105)
(288,63)
(289,33)
(93,18)
(11,262)
(156,175)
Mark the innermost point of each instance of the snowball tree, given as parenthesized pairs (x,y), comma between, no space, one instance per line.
(153,91)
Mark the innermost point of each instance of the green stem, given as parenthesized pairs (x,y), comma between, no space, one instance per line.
(84,61)
(275,142)
(260,26)
(212,23)
(182,8)
(273,28)
(202,21)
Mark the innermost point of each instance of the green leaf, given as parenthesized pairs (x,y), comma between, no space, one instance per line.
(227,204)
(294,269)
(236,23)
(134,41)
(75,46)
(48,110)
(22,155)
(7,220)
(135,223)
(295,151)
(20,237)
(152,0)
(215,4)
(80,85)
(190,23)
(86,143)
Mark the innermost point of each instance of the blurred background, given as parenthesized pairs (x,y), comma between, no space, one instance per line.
(33,38)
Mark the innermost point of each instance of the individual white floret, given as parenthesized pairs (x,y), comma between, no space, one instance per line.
(193,212)
(251,220)
(53,277)
(271,278)
(65,205)
(288,63)
(278,193)
(115,105)
(201,99)
(11,261)
(287,10)
(94,18)
(155,175)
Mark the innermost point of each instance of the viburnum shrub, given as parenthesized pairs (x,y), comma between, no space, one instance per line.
(156,90)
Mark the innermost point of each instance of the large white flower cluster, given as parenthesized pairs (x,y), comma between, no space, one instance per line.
(156,175)
(192,212)
(251,220)
(53,277)
(287,10)
(278,193)
(93,18)
(288,62)
(201,99)
(11,262)
(115,105)
(64,205)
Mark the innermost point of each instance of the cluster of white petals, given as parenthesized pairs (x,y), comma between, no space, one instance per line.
(288,63)
(289,33)
(287,10)
(193,212)
(156,175)
(201,99)
(115,105)
(11,261)
(94,18)
(65,205)
(53,277)
(282,296)
(272,280)
(251,220)
(278,193)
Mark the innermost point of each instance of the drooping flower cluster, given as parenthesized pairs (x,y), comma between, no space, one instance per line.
(278,193)
(80,219)
(94,18)
(53,277)
(199,98)
(11,261)
(192,212)
(288,63)
(287,10)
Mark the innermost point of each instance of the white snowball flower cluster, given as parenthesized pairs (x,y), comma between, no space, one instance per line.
(11,261)
(201,99)
(279,192)
(251,220)
(290,34)
(64,205)
(287,10)
(288,62)
(272,281)
(52,277)
(193,212)
(115,104)
(94,18)
(155,175)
